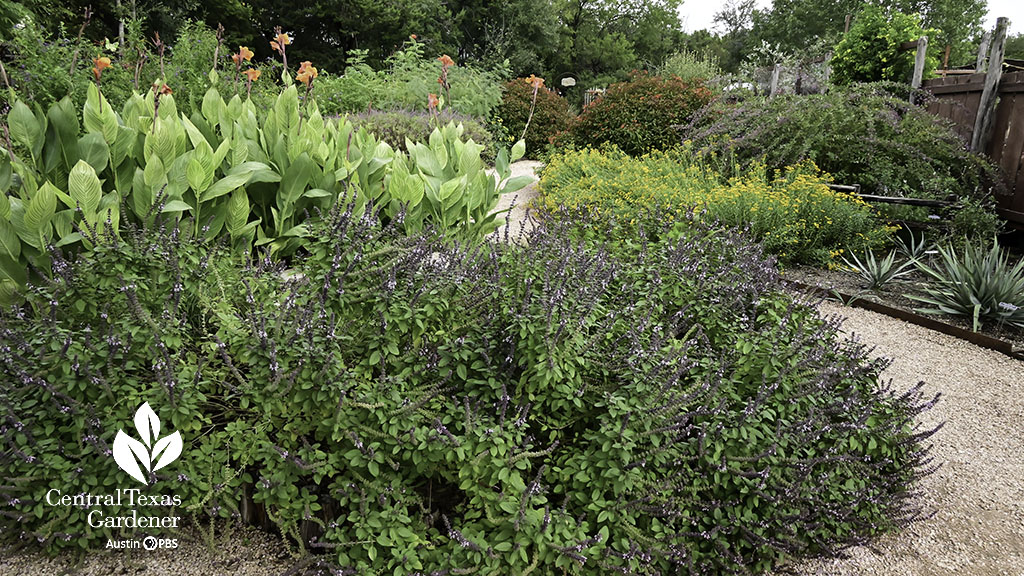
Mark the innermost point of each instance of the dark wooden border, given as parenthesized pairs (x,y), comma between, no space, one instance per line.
(925,322)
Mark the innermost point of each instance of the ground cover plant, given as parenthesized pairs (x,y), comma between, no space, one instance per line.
(793,213)
(423,405)
(866,134)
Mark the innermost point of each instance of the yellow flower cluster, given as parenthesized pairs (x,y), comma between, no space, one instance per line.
(794,213)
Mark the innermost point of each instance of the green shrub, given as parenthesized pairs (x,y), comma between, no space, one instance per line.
(864,134)
(395,126)
(640,115)
(421,405)
(870,51)
(406,82)
(689,66)
(981,283)
(793,213)
(41,70)
(551,115)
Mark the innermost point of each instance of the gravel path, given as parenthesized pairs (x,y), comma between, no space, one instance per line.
(234,551)
(978,493)
(515,220)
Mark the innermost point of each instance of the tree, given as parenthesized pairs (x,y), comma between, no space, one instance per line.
(602,40)
(326,30)
(735,20)
(1015,47)
(795,25)
(524,32)
(871,50)
(957,22)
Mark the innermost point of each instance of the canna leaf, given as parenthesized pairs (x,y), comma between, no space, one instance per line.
(10,244)
(99,116)
(238,212)
(94,150)
(25,128)
(200,168)
(40,209)
(84,188)
(518,150)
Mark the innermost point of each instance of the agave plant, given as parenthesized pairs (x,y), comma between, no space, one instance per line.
(914,247)
(980,283)
(877,272)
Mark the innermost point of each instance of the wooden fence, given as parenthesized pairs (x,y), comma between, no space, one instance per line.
(959,100)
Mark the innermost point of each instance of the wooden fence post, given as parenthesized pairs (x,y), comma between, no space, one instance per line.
(919,59)
(775,80)
(986,39)
(990,92)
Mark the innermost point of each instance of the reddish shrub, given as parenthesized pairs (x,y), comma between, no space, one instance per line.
(550,116)
(638,116)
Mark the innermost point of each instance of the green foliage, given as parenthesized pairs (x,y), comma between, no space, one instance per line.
(870,52)
(231,169)
(793,213)
(402,89)
(397,126)
(863,134)
(980,282)
(878,272)
(551,115)
(795,25)
(913,247)
(406,83)
(422,405)
(42,70)
(690,66)
(1015,47)
(640,115)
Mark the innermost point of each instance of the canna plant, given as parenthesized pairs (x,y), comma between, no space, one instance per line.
(229,169)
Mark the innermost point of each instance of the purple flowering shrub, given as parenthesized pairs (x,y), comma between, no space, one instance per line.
(868,134)
(415,405)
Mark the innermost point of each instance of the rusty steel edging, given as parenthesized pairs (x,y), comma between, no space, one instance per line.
(976,338)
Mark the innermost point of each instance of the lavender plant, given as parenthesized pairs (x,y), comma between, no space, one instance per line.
(415,404)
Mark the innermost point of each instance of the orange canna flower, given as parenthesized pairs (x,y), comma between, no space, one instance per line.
(236,59)
(536,82)
(253,74)
(164,90)
(307,72)
(245,53)
(275,46)
(432,101)
(283,39)
(102,63)
(446,61)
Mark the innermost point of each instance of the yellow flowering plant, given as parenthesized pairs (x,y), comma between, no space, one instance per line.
(793,213)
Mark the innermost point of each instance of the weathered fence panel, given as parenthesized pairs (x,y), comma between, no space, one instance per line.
(959,100)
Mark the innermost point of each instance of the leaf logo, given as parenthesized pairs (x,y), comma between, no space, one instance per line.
(129,452)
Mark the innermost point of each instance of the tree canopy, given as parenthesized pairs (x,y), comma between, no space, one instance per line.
(598,41)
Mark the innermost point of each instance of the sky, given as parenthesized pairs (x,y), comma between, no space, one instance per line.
(698,14)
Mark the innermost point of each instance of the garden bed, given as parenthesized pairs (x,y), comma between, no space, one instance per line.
(892,300)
